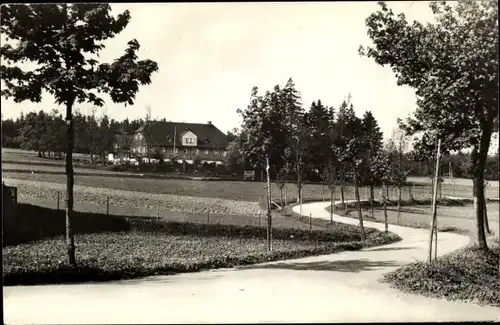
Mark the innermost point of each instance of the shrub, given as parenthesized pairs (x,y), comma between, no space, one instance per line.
(470,274)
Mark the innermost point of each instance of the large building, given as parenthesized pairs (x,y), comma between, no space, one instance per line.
(184,141)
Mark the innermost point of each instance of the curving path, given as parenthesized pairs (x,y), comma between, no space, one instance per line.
(340,287)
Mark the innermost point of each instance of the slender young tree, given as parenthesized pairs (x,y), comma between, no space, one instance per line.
(374,138)
(281,179)
(64,40)
(329,176)
(399,143)
(381,169)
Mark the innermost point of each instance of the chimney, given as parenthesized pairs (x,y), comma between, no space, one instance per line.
(209,122)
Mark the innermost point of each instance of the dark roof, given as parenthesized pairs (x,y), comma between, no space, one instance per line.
(161,133)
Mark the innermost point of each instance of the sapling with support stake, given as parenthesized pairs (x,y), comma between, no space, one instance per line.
(433,217)
(269,216)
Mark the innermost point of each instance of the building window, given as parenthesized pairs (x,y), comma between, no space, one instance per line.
(197,151)
(176,150)
(185,151)
(162,150)
(190,140)
(206,151)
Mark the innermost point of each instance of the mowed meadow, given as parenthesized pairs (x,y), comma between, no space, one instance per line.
(42,182)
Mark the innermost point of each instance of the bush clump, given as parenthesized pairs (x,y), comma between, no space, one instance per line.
(470,274)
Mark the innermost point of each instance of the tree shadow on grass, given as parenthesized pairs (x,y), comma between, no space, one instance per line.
(351,266)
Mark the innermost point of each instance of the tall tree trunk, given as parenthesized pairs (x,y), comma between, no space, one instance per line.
(372,197)
(342,184)
(384,199)
(269,216)
(486,223)
(479,163)
(433,223)
(398,215)
(286,200)
(282,200)
(360,214)
(332,204)
(387,192)
(70,240)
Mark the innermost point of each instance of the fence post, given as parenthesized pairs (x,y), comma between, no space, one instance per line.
(107,206)
(310,221)
(58,198)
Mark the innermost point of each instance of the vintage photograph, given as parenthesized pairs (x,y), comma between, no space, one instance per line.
(250,162)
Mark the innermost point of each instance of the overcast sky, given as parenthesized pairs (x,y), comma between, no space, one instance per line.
(211,55)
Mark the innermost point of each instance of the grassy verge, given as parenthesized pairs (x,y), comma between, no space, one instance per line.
(469,274)
(454,216)
(136,247)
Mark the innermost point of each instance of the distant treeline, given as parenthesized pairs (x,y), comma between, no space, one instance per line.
(46,133)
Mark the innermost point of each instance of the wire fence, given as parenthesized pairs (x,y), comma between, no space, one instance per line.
(408,214)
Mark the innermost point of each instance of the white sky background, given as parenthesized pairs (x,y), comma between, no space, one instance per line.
(210,56)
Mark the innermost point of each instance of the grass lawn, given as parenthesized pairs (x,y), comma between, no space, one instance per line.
(135,247)
(468,274)
(452,215)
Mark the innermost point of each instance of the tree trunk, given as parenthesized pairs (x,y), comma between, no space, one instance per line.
(70,240)
(281,195)
(387,192)
(332,205)
(479,162)
(398,215)
(342,184)
(300,195)
(486,223)
(360,214)
(384,199)
(269,216)
(372,197)
(286,200)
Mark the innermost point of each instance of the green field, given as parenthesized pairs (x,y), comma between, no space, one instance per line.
(114,247)
(449,217)
(178,199)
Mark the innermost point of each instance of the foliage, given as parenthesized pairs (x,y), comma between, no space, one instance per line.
(269,123)
(470,274)
(381,166)
(453,66)
(318,121)
(374,137)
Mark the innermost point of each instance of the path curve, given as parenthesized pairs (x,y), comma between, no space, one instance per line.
(342,287)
